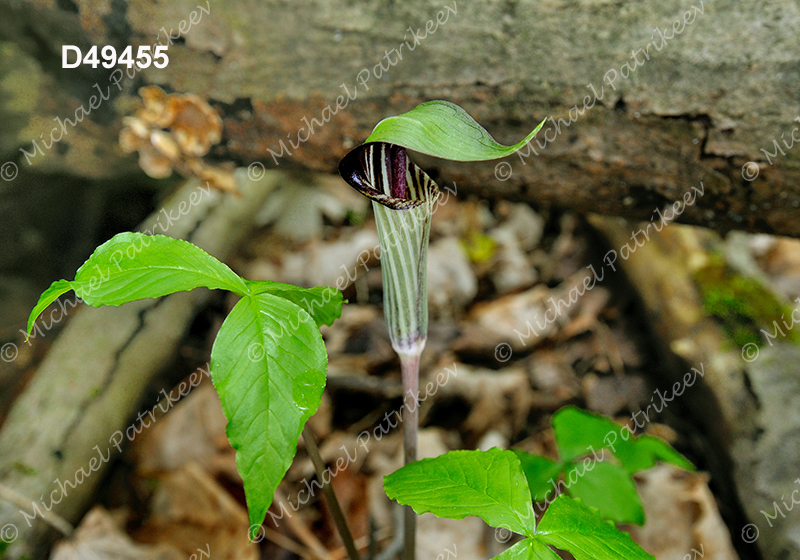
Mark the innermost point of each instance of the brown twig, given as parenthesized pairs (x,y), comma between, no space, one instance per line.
(330,495)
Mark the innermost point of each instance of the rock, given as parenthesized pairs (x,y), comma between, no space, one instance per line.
(452,284)
(511,270)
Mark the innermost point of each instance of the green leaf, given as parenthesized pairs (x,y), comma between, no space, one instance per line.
(132,266)
(51,294)
(270,381)
(323,303)
(444,130)
(579,433)
(646,450)
(541,474)
(608,488)
(569,525)
(529,549)
(486,484)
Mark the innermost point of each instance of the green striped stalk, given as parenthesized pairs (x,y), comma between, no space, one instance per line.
(403,236)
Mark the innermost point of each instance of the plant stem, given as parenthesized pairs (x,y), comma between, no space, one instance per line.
(330,495)
(410,369)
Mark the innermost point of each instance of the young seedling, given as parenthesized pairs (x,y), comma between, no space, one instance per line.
(268,362)
(403,200)
(601,480)
(491,485)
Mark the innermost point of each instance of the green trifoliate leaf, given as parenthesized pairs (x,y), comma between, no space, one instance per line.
(132,266)
(646,450)
(323,303)
(486,484)
(541,473)
(445,130)
(579,433)
(608,488)
(529,549)
(270,381)
(569,525)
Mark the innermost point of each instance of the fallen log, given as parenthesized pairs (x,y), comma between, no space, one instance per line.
(639,108)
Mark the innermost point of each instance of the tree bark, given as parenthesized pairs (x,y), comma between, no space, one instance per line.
(645,103)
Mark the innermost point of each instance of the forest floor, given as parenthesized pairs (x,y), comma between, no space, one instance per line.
(520,326)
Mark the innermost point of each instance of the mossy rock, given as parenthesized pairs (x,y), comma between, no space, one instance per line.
(745,308)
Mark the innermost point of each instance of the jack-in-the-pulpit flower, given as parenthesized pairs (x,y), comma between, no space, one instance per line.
(403,201)
(403,198)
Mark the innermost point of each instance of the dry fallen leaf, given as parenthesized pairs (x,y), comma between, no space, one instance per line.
(99,537)
(498,400)
(682,516)
(191,510)
(192,431)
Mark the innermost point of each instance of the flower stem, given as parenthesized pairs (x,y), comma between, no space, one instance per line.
(410,369)
(330,495)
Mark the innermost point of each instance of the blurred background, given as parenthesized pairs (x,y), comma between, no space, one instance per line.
(556,276)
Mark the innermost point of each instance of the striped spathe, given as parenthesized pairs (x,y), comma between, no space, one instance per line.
(403,198)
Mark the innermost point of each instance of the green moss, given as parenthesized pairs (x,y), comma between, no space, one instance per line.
(24,469)
(741,304)
(479,247)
